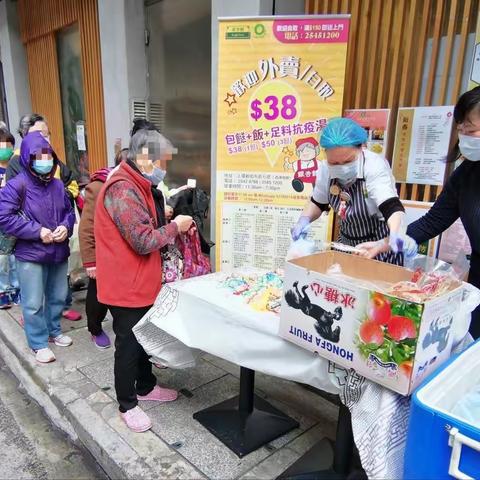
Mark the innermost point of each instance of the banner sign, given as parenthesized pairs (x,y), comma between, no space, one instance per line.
(279,80)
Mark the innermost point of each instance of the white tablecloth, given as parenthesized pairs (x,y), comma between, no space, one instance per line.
(198,314)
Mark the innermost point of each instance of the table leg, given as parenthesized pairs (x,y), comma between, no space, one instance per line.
(325,460)
(246,422)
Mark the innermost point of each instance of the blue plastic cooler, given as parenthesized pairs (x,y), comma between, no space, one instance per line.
(441,445)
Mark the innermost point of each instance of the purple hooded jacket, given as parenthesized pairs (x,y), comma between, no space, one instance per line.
(44,203)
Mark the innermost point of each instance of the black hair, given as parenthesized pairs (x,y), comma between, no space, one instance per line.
(467,103)
(142,124)
(28,121)
(6,136)
(121,156)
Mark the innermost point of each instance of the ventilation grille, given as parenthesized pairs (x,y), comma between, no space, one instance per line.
(153,112)
(156,115)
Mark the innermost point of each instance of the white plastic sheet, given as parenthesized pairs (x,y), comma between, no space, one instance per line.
(199,314)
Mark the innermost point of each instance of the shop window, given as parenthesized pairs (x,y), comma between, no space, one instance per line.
(73,104)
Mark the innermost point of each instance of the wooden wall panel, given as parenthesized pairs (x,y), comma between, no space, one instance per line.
(39,22)
(45,87)
(92,84)
(386,61)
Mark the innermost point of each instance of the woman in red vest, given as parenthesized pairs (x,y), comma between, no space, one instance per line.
(130,230)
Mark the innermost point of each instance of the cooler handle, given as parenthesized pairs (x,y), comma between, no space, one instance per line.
(456,440)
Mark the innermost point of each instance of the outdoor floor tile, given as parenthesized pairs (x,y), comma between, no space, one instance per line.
(102,374)
(174,422)
(287,392)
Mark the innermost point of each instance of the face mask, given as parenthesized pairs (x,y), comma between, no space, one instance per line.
(5,154)
(469,147)
(42,167)
(156,176)
(345,173)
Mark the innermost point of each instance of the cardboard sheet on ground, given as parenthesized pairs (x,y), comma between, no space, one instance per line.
(199,314)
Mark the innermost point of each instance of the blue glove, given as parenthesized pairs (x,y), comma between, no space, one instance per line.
(300,228)
(400,243)
(410,247)
(396,242)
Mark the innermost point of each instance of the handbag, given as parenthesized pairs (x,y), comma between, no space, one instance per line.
(7,242)
(195,263)
(172,264)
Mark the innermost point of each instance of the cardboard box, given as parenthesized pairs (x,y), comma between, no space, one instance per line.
(391,341)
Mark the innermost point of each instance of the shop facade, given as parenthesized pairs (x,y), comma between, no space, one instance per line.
(92,66)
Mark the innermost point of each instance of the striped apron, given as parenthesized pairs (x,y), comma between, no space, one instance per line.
(358,225)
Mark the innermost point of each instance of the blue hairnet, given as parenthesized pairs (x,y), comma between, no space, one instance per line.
(342,132)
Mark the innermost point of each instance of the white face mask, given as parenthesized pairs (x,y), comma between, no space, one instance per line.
(469,147)
(346,173)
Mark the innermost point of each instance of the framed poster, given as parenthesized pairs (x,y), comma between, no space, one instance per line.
(422,140)
(375,122)
(279,80)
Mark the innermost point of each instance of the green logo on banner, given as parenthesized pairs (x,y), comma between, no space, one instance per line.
(238,32)
(259,30)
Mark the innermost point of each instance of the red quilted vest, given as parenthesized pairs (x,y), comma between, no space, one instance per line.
(125,278)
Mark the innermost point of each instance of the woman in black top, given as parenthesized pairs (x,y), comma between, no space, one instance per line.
(461,196)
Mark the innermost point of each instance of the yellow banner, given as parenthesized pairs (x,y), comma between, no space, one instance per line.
(278,83)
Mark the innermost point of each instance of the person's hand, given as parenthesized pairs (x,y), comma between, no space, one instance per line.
(46,235)
(372,249)
(92,272)
(60,234)
(410,247)
(396,242)
(300,228)
(184,222)
(168,212)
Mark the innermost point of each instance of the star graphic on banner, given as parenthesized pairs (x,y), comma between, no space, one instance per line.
(287,151)
(230,99)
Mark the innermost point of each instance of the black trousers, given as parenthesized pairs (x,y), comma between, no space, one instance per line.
(95,310)
(133,369)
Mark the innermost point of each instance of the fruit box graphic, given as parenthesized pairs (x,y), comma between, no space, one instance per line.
(391,341)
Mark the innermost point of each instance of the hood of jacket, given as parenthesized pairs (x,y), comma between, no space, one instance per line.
(31,144)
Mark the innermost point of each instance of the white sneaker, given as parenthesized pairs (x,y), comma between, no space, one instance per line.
(61,341)
(44,355)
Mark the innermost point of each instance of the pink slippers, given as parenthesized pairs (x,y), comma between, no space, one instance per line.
(159,394)
(72,315)
(136,420)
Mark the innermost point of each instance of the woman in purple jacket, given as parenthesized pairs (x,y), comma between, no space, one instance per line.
(35,209)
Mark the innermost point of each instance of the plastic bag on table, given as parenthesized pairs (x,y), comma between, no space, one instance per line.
(431,277)
(301,248)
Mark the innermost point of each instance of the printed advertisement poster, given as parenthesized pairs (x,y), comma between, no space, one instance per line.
(454,241)
(375,122)
(279,80)
(413,211)
(422,140)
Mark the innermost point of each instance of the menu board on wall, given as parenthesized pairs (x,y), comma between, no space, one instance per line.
(279,80)
(413,211)
(422,140)
(375,122)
